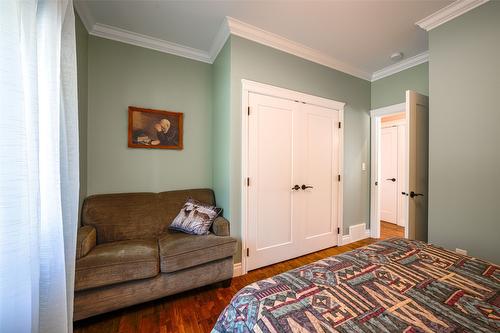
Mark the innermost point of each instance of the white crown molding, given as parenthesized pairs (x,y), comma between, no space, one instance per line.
(129,37)
(219,40)
(85,15)
(448,13)
(133,38)
(401,66)
(232,26)
(270,39)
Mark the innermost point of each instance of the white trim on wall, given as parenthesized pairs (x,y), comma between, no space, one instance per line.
(85,15)
(148,42)
(237,269)
(228,26)
(347,239)
(219,40)
(401,66)
(269,90)
(448,13)
(386,110)
(129,37)
(278,42)
(238,28)
(376,116)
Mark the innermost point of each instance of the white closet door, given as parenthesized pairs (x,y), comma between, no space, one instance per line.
(319,169)
(291,145)
(272,232)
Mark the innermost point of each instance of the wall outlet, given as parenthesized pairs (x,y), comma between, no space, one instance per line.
(460,251)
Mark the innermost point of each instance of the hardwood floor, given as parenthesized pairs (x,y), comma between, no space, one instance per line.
(196,310)
(389,230)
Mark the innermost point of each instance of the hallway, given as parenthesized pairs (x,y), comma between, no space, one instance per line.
(390,230)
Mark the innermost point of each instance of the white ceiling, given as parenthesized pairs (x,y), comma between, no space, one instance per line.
(361,34)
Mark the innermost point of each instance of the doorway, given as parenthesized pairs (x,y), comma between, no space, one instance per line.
(399,164)
(392,169)
(389,168)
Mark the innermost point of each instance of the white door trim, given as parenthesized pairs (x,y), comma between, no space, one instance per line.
(376,116)
(386,110)
(269,90)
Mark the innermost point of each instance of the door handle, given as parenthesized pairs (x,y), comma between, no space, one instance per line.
(391,179)
(304,187)
(296,188)
(413,194)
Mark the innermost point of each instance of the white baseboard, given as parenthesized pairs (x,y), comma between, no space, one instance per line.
(356,232)
(237,269)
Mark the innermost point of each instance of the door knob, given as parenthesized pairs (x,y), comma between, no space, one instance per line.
(413,194)
(391,179)
(304,187)
(296,187)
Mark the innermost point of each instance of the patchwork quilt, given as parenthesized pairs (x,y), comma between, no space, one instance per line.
(396,285)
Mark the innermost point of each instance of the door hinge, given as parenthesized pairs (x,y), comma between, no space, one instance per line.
(248,109)
(338,231)
(340,124)
(248,252)
(338,177)
(248,181)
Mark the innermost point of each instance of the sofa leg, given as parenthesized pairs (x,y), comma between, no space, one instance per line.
(226,283)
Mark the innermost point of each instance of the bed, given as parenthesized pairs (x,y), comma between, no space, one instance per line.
(396,285)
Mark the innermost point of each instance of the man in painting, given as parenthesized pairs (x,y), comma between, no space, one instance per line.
(166,135)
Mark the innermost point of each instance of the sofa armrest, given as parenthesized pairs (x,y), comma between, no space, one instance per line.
(220,227)
(85,240)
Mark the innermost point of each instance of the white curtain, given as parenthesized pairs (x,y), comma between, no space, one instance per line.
(38,165)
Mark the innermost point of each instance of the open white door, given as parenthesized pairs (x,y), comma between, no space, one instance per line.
(417,115)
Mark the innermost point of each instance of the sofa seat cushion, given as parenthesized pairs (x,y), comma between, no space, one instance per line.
(179,250)
(116,262)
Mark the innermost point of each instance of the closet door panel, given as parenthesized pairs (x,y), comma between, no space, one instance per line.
(290,143)
(321,170)
(273,176)
(272,234)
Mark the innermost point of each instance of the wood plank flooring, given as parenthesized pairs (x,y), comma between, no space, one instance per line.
(196,310)
(389,230)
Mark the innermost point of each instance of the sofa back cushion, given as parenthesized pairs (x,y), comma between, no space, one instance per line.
(125,216)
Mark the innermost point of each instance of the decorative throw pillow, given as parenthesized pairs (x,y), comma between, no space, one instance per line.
(195,218)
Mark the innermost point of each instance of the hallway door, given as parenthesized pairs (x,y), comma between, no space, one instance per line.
(389,174)
(417,113)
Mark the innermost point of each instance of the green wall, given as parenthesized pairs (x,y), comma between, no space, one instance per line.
(221,127)
(253,61)
(120,75)
(391,89)
(82,38)
(464,166)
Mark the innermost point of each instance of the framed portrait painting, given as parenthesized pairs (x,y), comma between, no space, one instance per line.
(158,129)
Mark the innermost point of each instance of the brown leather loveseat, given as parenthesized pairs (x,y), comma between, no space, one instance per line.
(126,254)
